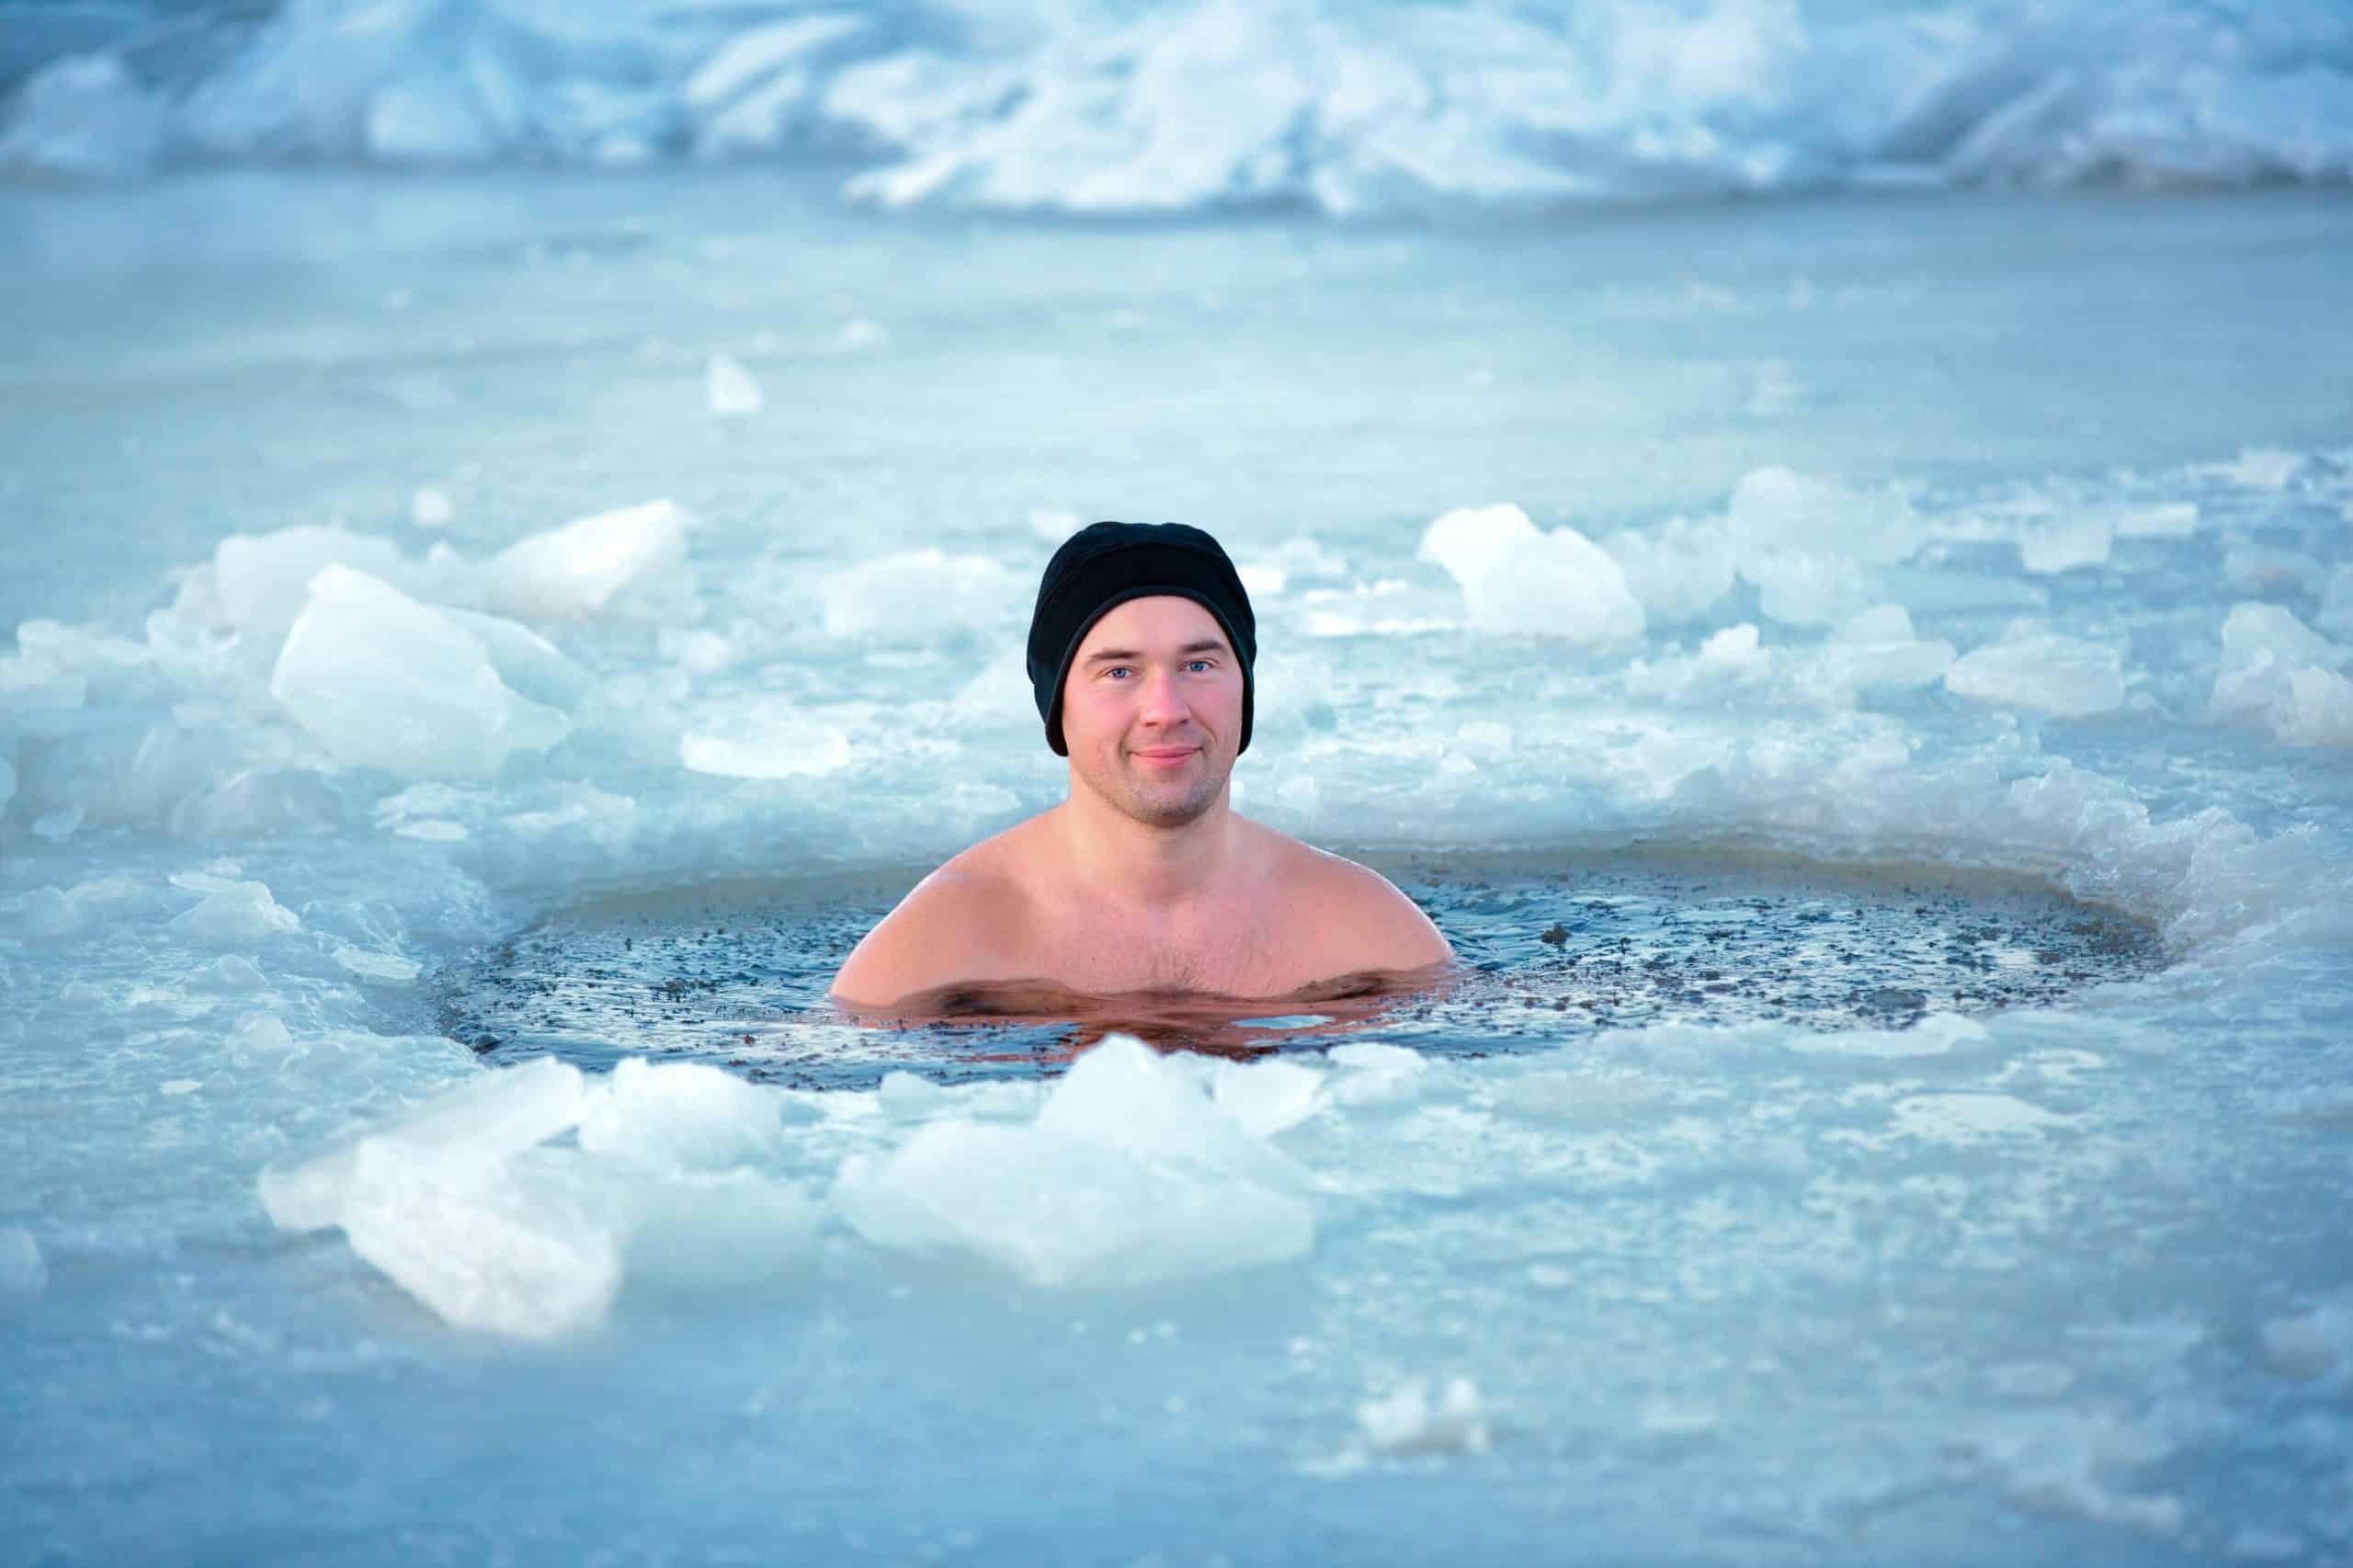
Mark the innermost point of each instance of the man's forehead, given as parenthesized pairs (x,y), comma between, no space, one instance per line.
(1155,619)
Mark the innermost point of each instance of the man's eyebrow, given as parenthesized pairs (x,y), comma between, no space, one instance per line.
(1109,655)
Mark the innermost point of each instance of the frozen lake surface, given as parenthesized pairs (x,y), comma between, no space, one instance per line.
(401,566)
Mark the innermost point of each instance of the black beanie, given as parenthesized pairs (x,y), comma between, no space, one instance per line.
(1106,564)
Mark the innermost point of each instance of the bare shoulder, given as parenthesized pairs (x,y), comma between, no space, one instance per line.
(963,922)
(1366,922)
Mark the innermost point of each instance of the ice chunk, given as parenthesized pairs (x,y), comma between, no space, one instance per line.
(724,1228)
(680,1117)
(23,1272)
(236,915)
(430,508)
(2170,519)
(50,912)
(2278,673)
(490,1116)
(765,745)
(920,595)
(2067,677)
(1409,1421)
(1517,580)
(58,826)
(1129,1175)
(2066,543)
(732,390)
(387,967)
(386,682)
(263,581)
(530,665)
(604,564)
(1804,544)
(84,116)
(486,1243)
(1265,1097)
(2264,467)
(1677,573)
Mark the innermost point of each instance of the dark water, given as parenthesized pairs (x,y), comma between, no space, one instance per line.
(736,974)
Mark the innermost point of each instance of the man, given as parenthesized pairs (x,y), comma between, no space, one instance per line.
(1145,879)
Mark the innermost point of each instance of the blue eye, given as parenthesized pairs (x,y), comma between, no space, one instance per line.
(1197,664)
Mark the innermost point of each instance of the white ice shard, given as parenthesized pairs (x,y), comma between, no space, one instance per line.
(386,682)
(491,1115)
(1678,571)
(2063,544)
(2068,678)
(763,745)
(1807,544)
(607,563)
(920,594)
(262,580)
(682,1116)
(731,389)
(238,914)
(493,1245)
(1517,579)
(2280,674)
(1129,1175)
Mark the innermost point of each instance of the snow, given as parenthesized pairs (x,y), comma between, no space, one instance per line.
(2042,672)
(383,681)
(1518,580)
(623,562)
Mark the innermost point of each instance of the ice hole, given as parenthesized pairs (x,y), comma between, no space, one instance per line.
(735,975)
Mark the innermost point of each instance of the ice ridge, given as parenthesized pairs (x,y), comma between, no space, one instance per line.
(1343,109)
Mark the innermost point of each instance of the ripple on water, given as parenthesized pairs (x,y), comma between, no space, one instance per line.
(1551,948)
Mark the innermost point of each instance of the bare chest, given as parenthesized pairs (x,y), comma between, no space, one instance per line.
(1236,948)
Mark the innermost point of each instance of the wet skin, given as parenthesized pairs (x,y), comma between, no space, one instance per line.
(1146,880)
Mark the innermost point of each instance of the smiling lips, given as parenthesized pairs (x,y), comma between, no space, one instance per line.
(1163,757)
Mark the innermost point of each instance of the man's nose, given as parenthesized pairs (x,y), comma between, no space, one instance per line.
(1164,698)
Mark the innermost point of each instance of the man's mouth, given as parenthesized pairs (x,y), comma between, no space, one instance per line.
(1163,757)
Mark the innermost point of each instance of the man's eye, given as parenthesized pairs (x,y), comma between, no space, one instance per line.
(1197,664)
(1118,670)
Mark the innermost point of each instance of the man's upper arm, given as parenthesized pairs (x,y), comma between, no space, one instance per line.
(941,933)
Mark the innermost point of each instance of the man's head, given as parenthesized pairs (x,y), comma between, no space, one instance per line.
(1160,593)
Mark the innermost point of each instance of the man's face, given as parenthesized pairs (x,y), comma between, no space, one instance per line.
(1151,710)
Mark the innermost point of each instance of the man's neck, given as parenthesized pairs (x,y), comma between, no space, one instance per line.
(1119,858)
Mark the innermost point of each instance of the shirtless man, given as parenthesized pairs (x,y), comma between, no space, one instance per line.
(1145,879)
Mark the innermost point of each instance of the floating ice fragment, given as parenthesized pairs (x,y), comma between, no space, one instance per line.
(1518,580)
(430,508)
(228,972)
(492,1114)
(1127,1176)
(681,1116)
(920,595)
(732,392)
(2171,519)
(2067,677)
(238,914)
(386,682)
(389,967)
(58,826)
(1409,1421)
(1680,571)
(263,581)
(1972,1117)
(603,565)
(2264,467)
(23,1272)
(51,912)
(2278,673)
(766,745)
(486,1243)
(1805,543)
(1265,1097)
(2066,543)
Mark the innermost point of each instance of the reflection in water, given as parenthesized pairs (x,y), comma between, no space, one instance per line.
(1240,1028)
